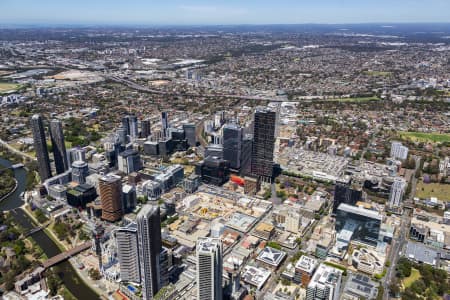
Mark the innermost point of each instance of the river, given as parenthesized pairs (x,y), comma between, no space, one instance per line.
(65,270)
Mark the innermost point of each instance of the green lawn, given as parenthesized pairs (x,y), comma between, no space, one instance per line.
(6,87)
(408,281)
(440,191)
(425,137)
(358,99)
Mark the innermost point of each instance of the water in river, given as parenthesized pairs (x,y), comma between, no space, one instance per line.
(65,270)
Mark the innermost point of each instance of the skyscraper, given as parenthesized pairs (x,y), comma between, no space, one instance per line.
(126,125)
(133,123)
(149,246)
(128,254)
(398,151)
(209,269)
(263,143)
(145,128)
(165,123)
(346,191)
(110,187)
(59,148)
(246,154)
(189,133)
(325,284)
(40,146)
(232,144)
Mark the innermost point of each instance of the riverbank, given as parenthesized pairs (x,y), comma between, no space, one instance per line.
(12,191)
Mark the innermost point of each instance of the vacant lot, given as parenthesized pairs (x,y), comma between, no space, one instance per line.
(6,87)
(440,191)
(426,137)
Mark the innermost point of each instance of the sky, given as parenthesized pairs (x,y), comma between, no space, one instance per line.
(221,12)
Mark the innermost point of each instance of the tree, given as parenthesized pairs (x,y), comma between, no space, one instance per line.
(394,288)
(95,274)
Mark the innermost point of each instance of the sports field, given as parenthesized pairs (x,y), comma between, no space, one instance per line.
(6,87)
(425,137)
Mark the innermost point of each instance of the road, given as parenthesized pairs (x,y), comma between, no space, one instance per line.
(14,150)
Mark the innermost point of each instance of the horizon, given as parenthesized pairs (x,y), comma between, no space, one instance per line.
(220,12)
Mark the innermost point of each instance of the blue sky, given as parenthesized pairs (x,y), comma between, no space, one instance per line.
(176,12)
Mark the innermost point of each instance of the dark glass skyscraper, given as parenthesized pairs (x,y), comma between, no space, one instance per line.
(149,247)
(263,143)
(232,143)
(165,123)
(40,146)
(58,146)
(145,128)
(346,192)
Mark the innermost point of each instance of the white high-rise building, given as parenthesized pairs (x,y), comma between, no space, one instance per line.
(325,284)
(293,221)
(398,151)
(397,192)
(127,253)
(209,269)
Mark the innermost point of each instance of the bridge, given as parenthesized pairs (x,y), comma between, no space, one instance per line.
(36,229)
(66,255)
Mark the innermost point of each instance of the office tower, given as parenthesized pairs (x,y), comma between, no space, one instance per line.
(133,123)
(129,197)
(149,247)
(40,146)
(189,133)
(110,187)
(122,135)
(215,150)
(129,161)
(232,144)
(346,191)
(80,171)
(213,170)
(165,123)
(246,154)
(263,143)
(209,268)
(59,148)
(128,254)
(145,128)
(126,124)
(397,192)
(398,151)
(76,154)
(357,223)
(325,284)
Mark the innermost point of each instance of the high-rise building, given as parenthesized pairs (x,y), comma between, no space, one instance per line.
(58,146)
(209,268)
(128,254)
(304,269)
(325,284)
(263,143)
(397,192)
(122,135)
(126,124)
(189,133)
(213,170)
(129,161)
(145,128)
(246,154)
(129,197)
(398,151)
(80,170)
(40,146)
(149,247)
(232,144)
(76,153)
(164,122)
(346,191)
(134,132)
(110,187)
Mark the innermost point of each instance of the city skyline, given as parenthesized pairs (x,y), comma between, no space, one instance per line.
(101,12)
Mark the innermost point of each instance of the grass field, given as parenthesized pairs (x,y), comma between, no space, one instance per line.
(377,73)
(360,99)
(408,281)
(6,87)
(440,191)
(425,137)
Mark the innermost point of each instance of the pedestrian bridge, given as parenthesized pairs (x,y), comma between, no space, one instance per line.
(66,255)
